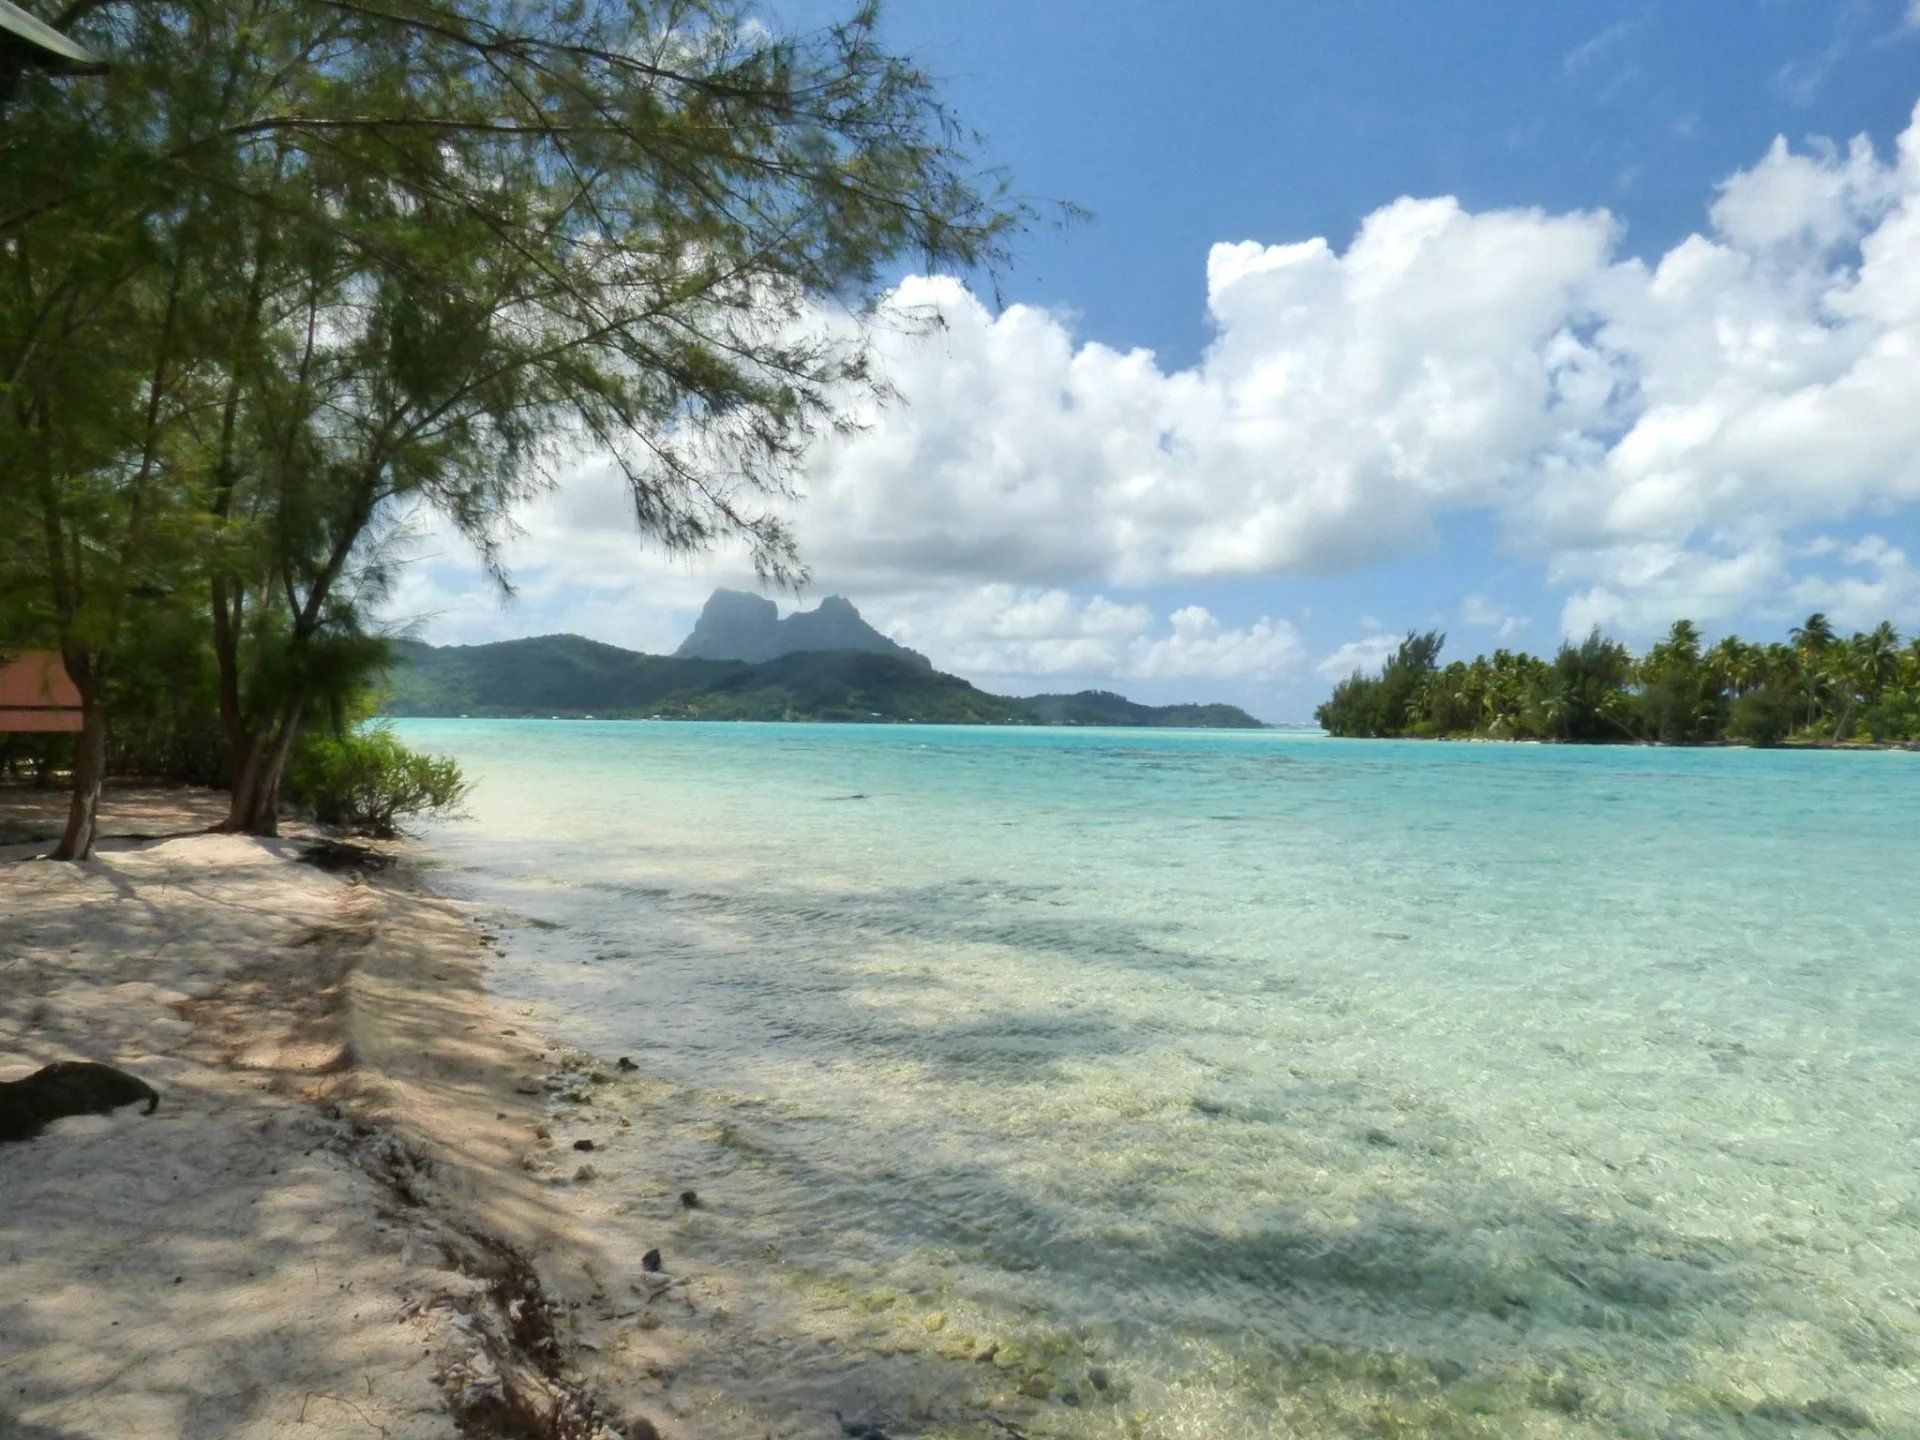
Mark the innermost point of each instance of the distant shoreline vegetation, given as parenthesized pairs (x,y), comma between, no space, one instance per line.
(570,676)
(1820,688)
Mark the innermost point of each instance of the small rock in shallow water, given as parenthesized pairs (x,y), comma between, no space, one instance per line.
(586,1173)
(689,1199)
(583,1145)
(1038,1386)
(623,1063)
(1099,1378)
(650,1262)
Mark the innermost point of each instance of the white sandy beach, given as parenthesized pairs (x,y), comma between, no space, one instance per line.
(320,1232)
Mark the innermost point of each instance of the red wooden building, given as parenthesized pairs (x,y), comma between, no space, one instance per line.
(36,695)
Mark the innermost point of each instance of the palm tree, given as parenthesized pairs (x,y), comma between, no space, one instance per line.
(1811,642)
(1683,641)
(1734,664)
(1814,636)
(1880,657)
(1845,674)
(1673,696)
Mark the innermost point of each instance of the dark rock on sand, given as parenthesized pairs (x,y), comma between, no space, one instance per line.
(689,1199)
(650,1262)
(67,1087)
(336,855)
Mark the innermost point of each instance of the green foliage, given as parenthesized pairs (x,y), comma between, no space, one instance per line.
(1583,695)
(1678,701)
(1765,715)
(291,275)
(1390,702)
(1895,715)
(162,697)
(1823,688)
(367,781)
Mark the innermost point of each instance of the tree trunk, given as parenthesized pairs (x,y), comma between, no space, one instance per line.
(1840,723)
(246,754)
(89,766)
(254,808)
(226,606)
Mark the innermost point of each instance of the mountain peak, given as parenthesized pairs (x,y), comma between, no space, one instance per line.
(735,625)
(741,603)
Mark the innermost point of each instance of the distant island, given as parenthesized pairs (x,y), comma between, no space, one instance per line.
(743,662)
(1821,688)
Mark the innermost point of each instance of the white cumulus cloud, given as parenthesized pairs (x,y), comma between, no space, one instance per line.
(1005,631)
(1368,654)
(1199,645)
(1657,434)
(1481,613)
(1761,375)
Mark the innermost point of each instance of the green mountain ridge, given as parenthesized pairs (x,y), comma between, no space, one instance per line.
(1104,707)
(568,675)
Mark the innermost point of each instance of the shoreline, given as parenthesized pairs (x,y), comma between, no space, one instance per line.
(257,992)
(521,1259)
(1864,746)
(619,717)
(346,1112)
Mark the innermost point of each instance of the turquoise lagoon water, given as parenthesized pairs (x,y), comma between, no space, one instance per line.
(1221,1084)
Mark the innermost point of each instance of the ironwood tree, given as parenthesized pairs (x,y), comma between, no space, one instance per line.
(293,274)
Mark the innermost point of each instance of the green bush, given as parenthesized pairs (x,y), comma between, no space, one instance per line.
(1766,716)
(1895,716)
(367,781)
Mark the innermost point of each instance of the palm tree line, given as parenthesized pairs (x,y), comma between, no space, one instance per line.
(1817,687)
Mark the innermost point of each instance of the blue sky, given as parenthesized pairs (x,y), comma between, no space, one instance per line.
(1181,126)
(1508,397)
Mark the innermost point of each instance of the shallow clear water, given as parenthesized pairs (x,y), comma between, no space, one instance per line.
(1224,1084)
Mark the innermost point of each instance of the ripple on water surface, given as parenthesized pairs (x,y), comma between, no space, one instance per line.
(1241,1085)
